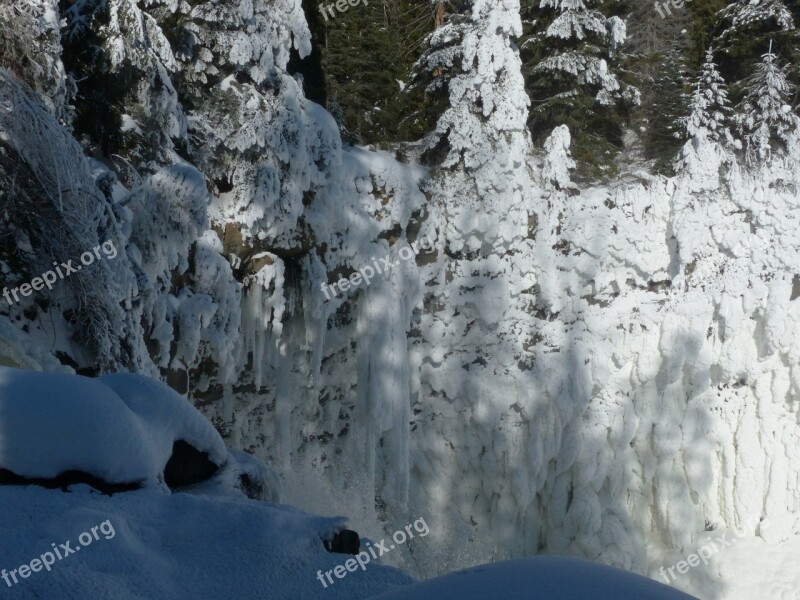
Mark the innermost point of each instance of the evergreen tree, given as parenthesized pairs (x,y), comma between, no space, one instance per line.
(652,43)
(710,108)
(765,117)
(121,63)
(480,139)
(698,25)
(438,64)
(668,103)
(367,52)
(744,28)
(571,54)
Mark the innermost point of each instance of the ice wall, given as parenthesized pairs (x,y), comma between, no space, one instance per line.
(630,386)
(609,373)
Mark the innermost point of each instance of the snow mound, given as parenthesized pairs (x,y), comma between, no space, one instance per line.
(541,577)
(168,415)
(120,428)
(174,546)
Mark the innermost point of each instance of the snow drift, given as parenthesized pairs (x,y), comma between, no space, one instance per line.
(120,428)
(210,544)
(543,578)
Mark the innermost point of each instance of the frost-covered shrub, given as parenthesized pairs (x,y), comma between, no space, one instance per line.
(63,214)
(166,285)
(558,160)
(187,297)
(30,47)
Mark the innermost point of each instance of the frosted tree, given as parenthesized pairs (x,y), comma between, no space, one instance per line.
(765,117)
(744,29)
(558,160)
(571,52)
(437,63)
(484,214)
(481,135)
(746,13)
(710,107)
(122,64)
(30,46)
(255,136)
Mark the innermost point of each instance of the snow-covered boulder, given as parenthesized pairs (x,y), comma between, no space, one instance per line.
(120,428)
(194,447)
(542,577)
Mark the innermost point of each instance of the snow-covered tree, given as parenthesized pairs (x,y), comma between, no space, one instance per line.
(30,47)
(709,108)
(745,13)
(744,28)
(438,62)
(482,131)
(122,64)
(571,54)
(765,117)
(558,160)
(578,22)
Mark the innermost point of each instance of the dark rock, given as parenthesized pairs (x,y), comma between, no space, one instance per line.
(66,479)
(251,487)
(187,466)
(345,541)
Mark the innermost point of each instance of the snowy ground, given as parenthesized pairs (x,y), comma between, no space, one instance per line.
(547,577)
(740,568)
(198,545)
(211,542)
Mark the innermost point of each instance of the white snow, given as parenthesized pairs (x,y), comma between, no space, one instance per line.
(543,578)
(607,373)
(208,544)
(119,428)
(166,414)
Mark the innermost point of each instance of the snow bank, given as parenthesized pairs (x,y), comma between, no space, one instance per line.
(175,546)
(543,578)
(120,428)
(168,416)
